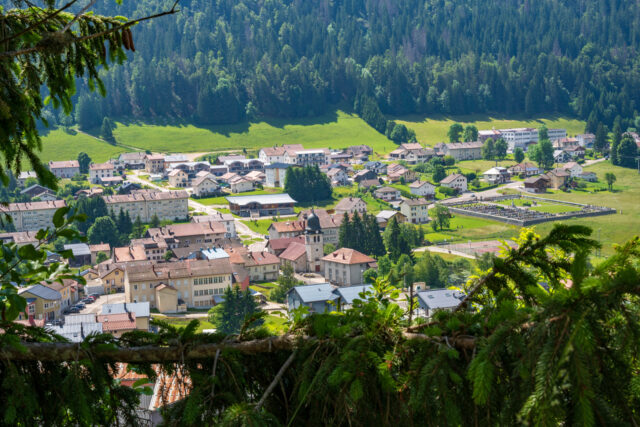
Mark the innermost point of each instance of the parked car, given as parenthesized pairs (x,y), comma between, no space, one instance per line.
(80,305)
(92,298)
(88,300)
(95,296)
(73,310)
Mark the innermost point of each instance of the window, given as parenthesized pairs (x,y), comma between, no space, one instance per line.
(135,287)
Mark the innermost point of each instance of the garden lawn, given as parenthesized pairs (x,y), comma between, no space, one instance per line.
(609,229)
(59,145)
(432,130)
(262,225)
(337,129)
(181,322)
(275,324)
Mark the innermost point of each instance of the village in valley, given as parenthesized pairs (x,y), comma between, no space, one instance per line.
(168,234)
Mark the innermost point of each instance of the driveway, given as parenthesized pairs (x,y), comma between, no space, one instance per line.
(96,307)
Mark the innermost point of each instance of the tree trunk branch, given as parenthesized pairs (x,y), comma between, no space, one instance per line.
(69,352)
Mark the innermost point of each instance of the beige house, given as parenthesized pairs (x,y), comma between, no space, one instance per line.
(204,186)
(140,311)
(66,289)
(65,169)
(261,266)
(240,184)
(42,302)
(345,267)
(463,150)
(172,205)
(416,210)
(166,298)
(32,216)
(178,178)
(388,194)
(456,181)
(350,205)
(196,281)
(186,234)
(422,188)
(225,219)
(154,163)
(98,171)
(112,280)
(276,154)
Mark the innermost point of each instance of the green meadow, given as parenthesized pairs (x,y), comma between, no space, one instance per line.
(333,130)
(432,130)
(59,145)
(625,198)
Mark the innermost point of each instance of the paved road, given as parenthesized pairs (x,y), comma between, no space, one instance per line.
(241,228)
(96,307)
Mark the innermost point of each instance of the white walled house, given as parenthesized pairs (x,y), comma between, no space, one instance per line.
(65,169)
(455,181)
(416,210)
(204,185)
(422,188)
(573,168)
(98,171)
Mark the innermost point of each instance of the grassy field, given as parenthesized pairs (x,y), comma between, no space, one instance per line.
(609,229)
(464,228)
(432,130)
(334,130)
(59,145)
(262,225)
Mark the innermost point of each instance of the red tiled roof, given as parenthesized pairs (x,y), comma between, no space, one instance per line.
(348,256)
(117,322)
(294,252)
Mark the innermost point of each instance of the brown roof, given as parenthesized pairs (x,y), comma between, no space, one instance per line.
(284,243)
(464,145)
(249,259)
(32,206)
(294,251)
(366,183)
(64,164)
(416,202)
(20,237)
(348,203)
(154,157)
(162,286)
(129,253)
(202,178)
(387,190)
(188,229)
(178,269)
(102,247)
(418,184)
(117,322)
(101,166)
(146,195)
(449,179)
(348,256)
(288,226)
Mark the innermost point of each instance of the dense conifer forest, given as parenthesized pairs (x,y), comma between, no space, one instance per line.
(221,61)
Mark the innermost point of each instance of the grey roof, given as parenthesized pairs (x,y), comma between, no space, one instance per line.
(386,214)
(141,309)
(278,166)
(76,332)
(78,249)
(439,298)
(315,293)
(73,319)
(349,293)
(42,291)
(263,199)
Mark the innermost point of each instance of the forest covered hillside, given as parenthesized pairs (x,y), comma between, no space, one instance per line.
(221,61)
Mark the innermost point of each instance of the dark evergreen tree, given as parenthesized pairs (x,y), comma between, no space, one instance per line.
(627,152)
(236,308)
